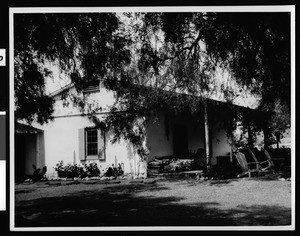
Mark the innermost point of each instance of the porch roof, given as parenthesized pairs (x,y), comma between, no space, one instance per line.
(254,114)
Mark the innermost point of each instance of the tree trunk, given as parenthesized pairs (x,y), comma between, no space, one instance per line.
(206,130)
(266,137)
(250,136)
(277,139)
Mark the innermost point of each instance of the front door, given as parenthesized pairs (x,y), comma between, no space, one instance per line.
(180,141)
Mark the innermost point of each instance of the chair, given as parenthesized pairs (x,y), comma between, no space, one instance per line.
(247,167)
(265,162)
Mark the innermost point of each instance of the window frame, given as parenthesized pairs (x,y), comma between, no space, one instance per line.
(92,87)
(100,135)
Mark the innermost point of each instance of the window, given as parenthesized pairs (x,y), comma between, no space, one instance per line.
(94,144)
(92,87)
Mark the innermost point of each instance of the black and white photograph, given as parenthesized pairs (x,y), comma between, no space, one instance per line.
(170,118)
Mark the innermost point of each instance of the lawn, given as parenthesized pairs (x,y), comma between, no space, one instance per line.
(185,202)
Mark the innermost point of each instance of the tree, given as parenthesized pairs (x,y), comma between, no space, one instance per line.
(253,47)
(152,63)
(84,46)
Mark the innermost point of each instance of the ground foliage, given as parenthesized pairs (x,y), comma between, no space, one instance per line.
(153,63)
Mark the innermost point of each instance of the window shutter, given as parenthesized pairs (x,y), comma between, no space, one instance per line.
(81,144)
(101,145)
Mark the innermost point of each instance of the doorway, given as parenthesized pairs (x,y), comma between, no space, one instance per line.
(180,140)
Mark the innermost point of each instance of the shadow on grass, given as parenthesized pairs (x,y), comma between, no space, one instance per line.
(212,182)
(22,191)
(222,182)
(120,206)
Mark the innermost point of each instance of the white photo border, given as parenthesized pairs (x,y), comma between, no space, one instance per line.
(233,9)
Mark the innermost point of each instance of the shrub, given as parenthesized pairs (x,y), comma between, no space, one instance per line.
(60,169)
(74,171)
(231,170)
(92,170)
(199,162)
(175,165)
(38,174)
(77,171)
(113,171)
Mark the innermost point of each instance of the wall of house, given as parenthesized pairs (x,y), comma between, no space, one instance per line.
(104,99)
(62,143)
(61,137)
(161,145)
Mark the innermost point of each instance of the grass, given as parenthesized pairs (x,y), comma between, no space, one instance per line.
(189,202)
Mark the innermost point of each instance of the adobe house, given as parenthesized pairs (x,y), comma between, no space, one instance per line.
(72,138)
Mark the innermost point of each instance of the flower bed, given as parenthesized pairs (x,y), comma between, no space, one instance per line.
(169,165)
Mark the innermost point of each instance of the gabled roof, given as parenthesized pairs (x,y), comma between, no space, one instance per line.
(61,90)
(243,109)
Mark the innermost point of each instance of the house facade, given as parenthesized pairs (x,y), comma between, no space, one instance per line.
(72,138)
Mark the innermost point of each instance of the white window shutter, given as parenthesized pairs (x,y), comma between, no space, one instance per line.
(101,145)
(81,144)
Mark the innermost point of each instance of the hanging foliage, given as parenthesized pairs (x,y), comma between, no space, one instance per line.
(153,64)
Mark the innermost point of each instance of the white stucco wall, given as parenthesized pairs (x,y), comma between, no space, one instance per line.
(62,143)
(159,145)
(104,99)
(156,139)
(158,142)
(61,138)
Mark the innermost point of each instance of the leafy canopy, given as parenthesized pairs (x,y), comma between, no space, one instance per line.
(152,61)
(86,46)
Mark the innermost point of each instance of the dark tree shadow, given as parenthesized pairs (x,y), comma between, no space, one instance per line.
(119,205)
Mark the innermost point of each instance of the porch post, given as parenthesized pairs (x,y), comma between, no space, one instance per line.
(206,131)
(277,139)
